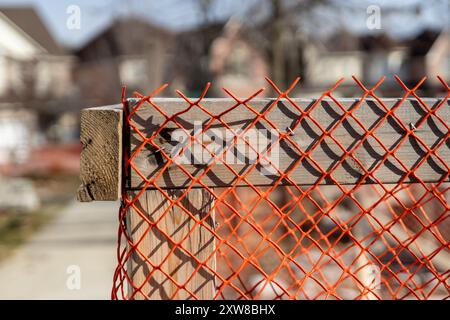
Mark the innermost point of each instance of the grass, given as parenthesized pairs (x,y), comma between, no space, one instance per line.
(17,227)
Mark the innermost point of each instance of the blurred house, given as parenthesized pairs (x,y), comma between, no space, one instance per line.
(424,55)
(235,63)
(190,69)
(328,61)
(131,52)
(429,56)
(17,127)
(383,56)
(35,77)
(371,57)
(345,54)
(32,64)
(238,58)
(223,53)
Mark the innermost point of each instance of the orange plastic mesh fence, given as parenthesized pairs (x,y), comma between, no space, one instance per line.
(285,240)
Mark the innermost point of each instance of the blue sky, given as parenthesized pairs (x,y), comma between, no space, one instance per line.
(95,15)
(179,14)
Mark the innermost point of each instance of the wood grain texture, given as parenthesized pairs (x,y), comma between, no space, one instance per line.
(326,154)
(152,243)
(101,158)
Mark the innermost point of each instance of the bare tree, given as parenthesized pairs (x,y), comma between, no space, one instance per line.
(282,27)
(275,25)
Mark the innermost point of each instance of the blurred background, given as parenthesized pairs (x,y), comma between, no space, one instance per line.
(57,57)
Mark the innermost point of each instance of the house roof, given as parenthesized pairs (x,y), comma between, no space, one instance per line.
(29,21)
(123,36)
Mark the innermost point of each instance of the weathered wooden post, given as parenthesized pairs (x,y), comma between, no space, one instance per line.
(101,160)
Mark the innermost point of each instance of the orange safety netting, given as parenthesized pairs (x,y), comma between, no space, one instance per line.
(285,241)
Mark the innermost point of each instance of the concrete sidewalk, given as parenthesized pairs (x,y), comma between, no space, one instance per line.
(82,238)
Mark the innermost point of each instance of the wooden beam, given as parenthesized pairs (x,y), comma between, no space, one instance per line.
(101,158)
(155,242)
(327,154)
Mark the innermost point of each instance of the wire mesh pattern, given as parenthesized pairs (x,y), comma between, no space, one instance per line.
(327,240)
